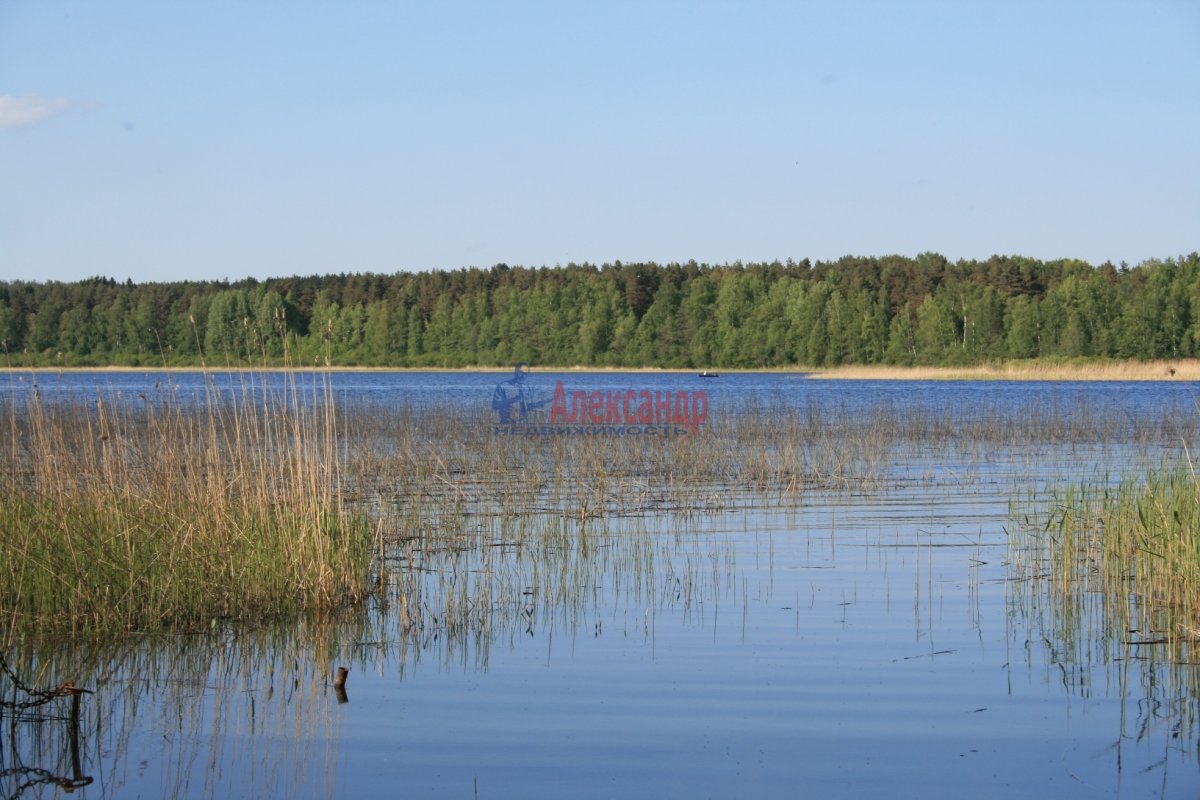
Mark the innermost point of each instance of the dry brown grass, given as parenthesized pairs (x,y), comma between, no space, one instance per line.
(1174,370)
(1184,369)
(140,514)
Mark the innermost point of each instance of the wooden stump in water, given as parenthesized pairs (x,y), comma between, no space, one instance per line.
(339,685)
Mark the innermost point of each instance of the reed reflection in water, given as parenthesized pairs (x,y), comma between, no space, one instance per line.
(223,714)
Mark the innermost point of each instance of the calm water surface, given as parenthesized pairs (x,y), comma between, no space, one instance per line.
(847,644)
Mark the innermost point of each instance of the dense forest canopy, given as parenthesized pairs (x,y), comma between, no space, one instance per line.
(886,310)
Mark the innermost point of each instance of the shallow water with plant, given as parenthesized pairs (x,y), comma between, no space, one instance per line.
(830,590)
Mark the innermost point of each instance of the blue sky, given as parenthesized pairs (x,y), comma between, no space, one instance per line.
(200,140)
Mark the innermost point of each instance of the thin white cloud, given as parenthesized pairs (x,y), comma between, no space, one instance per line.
(30,109)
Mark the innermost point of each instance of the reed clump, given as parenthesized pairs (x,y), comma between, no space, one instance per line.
(1151,535)
(474,517)
(266,496)
(448,457)
(146,512)
(1137,545)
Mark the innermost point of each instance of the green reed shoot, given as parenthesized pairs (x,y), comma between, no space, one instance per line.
(1137,545)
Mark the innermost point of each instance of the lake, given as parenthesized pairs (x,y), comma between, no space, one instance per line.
(887,637)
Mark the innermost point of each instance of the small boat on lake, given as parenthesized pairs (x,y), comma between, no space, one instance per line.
(707,374)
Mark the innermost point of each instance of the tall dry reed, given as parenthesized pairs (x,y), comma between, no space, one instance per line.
(140,512)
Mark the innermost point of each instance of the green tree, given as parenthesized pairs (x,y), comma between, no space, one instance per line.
(378,347)
(43,323)
(597,329)
(8,328)
(143,333)
(843,329)
(1022,325)
(228,332)
(655,341)
(982,322)
(272,322)
(873,326)
(902,340)
(737,295)
(937,335)
(413,338)
(77,332)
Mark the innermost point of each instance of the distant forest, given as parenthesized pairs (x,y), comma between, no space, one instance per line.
(887,310)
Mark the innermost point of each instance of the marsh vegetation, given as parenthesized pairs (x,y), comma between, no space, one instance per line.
(157,512)
(171,510)
(1133,548)
(257,534)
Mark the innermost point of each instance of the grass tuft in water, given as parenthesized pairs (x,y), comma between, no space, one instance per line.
(1136,544)
(165,511)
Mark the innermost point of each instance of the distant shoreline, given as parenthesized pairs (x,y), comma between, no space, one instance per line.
(1165,370)
(1173,370)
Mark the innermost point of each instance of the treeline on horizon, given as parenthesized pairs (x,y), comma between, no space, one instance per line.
(856,310)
